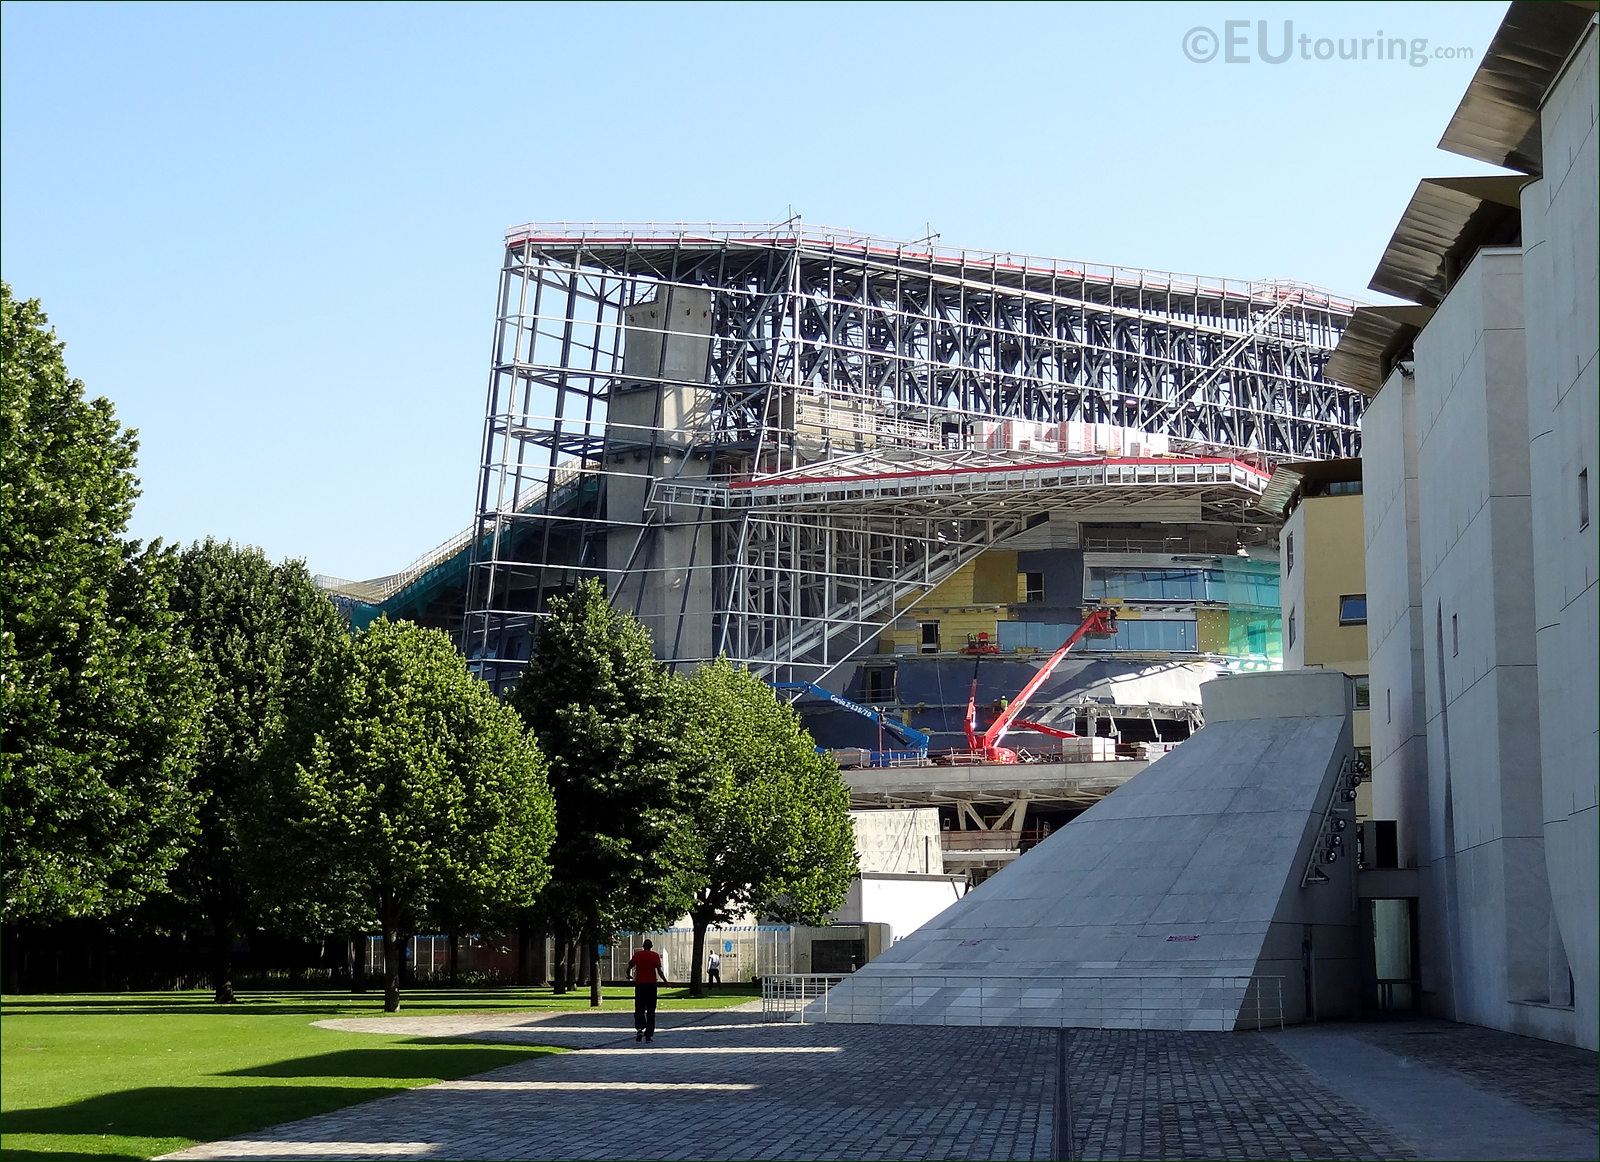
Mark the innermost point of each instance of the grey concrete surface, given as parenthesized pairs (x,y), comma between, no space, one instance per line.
(724,1085)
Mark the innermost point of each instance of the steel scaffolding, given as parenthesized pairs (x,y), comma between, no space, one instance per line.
(769,439)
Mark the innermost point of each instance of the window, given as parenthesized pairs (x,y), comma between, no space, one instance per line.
(1583,498)
(1388,705)
(1363,692)
(1291,627)
(1033,587)
(1455,636)
(930,637)
(1288,553)
(1353,609)
(1344,488)
(879,685)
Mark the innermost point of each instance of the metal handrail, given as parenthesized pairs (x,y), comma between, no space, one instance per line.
(1139,1001)
(794,230)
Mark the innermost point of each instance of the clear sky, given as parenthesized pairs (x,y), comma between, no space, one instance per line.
(270,234)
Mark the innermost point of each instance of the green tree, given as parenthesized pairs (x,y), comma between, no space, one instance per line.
(101,696)
(261,633)
(770,829)
(420,786)
(597,699)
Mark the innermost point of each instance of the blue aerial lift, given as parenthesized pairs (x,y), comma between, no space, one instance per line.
(915,740)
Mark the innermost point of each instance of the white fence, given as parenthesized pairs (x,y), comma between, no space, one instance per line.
(1222,1003)
(748,952)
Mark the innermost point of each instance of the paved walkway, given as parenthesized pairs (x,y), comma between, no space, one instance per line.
(723,1085)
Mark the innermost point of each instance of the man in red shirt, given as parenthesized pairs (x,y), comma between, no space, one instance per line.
(645,967)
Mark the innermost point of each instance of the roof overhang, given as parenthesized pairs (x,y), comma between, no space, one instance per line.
(954,487)
(1446,222)
(1375,338)
(1498,118)
(1289,480)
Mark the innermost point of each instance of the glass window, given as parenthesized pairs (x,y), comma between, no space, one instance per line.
(1288,553)
(1034,587)
(1363,692)
(1353,609)
(1291,627)
(1583,498)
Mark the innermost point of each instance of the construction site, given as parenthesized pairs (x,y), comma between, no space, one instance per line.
(893,478)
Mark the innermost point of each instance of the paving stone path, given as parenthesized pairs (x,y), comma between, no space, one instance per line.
(724,1085)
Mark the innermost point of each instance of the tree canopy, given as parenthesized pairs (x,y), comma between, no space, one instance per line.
(261,634)
(769,831)
(101,696)
(419,787)
(597,700)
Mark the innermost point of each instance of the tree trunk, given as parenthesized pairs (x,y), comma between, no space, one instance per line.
(454,946)
(221,954)
(562,979)
(524,973)
(356,958)
(15,955)
(394,951)
(701,921)
(592,949)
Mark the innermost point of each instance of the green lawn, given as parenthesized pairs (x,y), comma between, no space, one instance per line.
(133,1075)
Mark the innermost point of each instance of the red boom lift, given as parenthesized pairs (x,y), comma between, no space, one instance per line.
(1100,622)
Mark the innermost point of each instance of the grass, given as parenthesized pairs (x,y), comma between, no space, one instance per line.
(133,1075)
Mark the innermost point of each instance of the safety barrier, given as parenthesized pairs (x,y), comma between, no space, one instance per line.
(1222,1003)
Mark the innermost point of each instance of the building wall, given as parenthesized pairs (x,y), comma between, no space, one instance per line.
(974,599)
(1480,681)
(1334,568)
(1328,564)
(1394,625)
(1562,293)
(900,840)
(905,902)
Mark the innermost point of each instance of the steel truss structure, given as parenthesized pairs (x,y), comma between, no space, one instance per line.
(767,440)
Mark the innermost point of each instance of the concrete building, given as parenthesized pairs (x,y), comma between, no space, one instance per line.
(894,469)
(1324,583)
(1213,891)
(1481,554)
(832,457)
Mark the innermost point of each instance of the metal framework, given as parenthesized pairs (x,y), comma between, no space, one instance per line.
(769,439)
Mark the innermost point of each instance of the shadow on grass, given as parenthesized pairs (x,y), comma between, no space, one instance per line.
(201,1113)
(419,1002)
(61,1156)
(423,1062)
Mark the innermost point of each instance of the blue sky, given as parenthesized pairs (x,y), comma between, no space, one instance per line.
(270,234)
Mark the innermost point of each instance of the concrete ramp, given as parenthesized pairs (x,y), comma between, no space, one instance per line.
(1180,901)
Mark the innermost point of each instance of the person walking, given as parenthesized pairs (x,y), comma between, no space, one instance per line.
(645,967)
(714,969)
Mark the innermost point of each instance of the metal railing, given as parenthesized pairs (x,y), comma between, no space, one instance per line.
(1223,1003)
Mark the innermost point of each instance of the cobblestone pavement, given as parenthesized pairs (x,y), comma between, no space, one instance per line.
(1151,1094)
(712,1086)
(723,1085)
(1558,1080)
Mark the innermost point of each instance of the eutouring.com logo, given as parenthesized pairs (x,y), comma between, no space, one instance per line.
(1245,42)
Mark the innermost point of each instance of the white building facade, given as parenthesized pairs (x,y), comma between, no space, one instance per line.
(1478,457)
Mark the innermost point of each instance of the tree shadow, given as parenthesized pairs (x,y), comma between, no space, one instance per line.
(412,1060)
(197,1112)
(327,1004)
